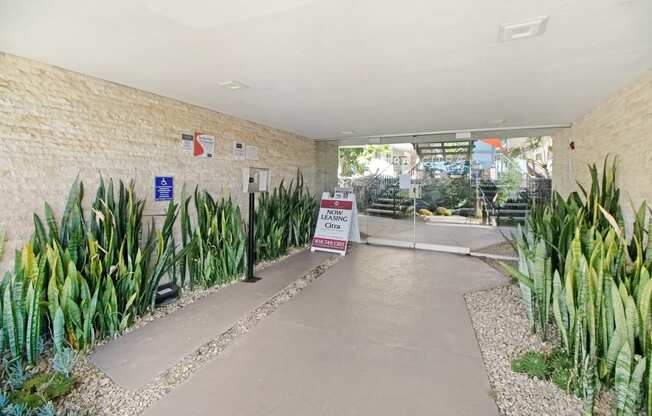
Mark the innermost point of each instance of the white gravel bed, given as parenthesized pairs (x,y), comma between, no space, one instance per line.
(97,394)
(503,333)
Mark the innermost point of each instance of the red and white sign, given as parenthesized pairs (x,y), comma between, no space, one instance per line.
(203,145)
(337,218)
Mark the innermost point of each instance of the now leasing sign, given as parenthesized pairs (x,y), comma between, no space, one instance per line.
(335,224)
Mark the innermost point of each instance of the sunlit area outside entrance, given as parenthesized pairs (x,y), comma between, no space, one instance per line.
(451,195)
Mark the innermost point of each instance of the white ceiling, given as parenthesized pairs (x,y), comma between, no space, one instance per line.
(375,67)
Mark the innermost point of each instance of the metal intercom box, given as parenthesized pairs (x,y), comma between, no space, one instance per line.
(255,179)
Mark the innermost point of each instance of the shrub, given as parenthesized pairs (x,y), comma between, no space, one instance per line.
(285,218)
(577,266)
(214,251)
(94,275)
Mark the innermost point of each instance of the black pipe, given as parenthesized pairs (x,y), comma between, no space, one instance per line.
(251,243)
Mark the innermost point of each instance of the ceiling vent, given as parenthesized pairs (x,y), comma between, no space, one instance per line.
(527,29)
(233,85)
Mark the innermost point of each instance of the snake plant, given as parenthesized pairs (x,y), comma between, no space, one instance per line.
(92,276)
(284,218)
(214,251)
(576,262)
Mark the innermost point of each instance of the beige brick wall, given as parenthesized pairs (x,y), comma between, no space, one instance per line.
(55,124)
(620,126)
(327,163)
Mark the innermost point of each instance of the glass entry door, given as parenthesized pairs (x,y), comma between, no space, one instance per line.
(386,214)
(446,200)
(455,196)
(442,196)
(425,196)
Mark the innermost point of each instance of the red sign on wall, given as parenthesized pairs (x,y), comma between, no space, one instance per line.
(203,145)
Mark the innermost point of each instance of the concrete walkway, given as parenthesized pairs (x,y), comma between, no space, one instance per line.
(470,236)
(384,332)
(136,358)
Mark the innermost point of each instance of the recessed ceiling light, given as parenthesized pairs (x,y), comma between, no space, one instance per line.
(526,29)
(347,132)
(496,121)
(233,85)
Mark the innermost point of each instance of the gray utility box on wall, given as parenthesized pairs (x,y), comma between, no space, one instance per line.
(255,180)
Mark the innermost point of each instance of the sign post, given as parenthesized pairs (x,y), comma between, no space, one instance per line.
(337,223)
(253,180)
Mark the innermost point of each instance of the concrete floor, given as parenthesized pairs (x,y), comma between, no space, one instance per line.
(471,236)
(384,332)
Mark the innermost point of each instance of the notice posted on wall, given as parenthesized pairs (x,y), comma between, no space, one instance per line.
(238,151)
(337,224)
(252,152)
(187,142)
(203,145)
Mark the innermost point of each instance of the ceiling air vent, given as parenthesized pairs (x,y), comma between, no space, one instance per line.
(522,30)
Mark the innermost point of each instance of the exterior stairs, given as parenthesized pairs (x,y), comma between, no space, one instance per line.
(384,197)
(512,212)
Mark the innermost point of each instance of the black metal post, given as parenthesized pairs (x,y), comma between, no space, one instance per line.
(251,243)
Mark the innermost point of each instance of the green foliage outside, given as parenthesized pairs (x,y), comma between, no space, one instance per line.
(534,166)
(508,183)
(578,269)
(447,192)
(354,159)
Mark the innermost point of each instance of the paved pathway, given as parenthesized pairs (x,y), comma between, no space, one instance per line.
(461,235)
(383,332)
(138,357)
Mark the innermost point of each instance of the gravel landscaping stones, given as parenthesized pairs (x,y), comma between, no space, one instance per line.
(503,333)
(97,394)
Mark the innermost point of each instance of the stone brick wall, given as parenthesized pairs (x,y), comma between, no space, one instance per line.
(56,124)
(326,176)
(620,126)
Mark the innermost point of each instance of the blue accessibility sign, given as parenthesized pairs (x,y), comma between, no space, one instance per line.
(163,188)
